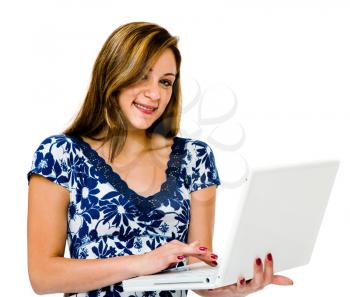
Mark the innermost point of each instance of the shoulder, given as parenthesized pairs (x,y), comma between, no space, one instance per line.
(196,152)
(195,146)
(58,139)
(54,142)
(53,158)
(201,166)
(58,146)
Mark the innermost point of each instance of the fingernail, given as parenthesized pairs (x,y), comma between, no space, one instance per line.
(180,257)
(214,256)
(202,248)
(214,262)
(269,257)
(258,261)
(242,281)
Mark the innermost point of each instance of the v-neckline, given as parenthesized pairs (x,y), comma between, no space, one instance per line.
(109,174)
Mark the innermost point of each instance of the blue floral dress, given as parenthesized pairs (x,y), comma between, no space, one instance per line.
(108,219)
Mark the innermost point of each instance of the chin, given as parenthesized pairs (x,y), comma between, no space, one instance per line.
(140,126)
(141,122)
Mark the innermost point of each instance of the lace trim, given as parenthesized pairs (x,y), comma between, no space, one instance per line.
(167,189)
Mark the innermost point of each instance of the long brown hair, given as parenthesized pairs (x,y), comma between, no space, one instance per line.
(126,56)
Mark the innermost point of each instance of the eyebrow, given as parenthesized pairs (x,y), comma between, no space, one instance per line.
(169,73)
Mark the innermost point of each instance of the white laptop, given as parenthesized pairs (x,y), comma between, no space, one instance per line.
(280,211)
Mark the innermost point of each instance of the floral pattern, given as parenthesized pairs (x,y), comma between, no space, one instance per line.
(108,219)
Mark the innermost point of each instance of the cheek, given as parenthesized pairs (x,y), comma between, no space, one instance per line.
(164,104)
(166,96)
(133,92)
(127,97)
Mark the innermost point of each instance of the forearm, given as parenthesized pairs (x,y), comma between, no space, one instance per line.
(203,293)
(65,275)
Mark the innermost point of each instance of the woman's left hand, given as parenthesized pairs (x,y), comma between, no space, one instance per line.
(261,279)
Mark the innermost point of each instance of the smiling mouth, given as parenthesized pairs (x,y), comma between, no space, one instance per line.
(144,107)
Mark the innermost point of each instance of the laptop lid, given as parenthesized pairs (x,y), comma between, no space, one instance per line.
(280,211)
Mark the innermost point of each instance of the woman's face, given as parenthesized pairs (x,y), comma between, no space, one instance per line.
(143,102)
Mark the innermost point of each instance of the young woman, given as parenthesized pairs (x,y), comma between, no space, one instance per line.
(130,196)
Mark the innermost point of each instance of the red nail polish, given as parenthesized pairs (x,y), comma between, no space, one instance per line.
(213,256)
(214,262)
(202,248)
(269,257)
(242,281)
(180,257)
(258,261)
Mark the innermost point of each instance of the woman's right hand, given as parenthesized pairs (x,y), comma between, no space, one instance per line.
(171,253)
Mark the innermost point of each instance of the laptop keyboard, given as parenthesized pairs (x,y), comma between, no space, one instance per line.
(200,268)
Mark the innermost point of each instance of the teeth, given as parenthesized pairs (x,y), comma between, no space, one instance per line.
(143,107)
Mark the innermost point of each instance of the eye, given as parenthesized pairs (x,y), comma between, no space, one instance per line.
(166,82)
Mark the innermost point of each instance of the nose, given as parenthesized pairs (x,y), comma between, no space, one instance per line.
(152,90)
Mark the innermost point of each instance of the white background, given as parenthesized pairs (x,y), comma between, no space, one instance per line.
(288,63)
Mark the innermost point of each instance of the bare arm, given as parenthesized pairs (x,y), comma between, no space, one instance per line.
(49,271)
(202,218)
(202,221)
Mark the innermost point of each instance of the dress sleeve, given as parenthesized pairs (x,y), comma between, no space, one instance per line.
(52,160)
(204,170)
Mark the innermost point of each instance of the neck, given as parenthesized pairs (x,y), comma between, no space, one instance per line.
(136,143)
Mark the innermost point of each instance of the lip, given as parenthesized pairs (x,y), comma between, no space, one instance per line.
(144,111)
(148,106)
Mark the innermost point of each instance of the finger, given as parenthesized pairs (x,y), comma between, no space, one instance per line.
(212,256)
(257,282)
(281,280)
(241,285)
(194,249)
(178,252)
(268,273)
(194,243)
(180,243)
(209,260)
(194,246)
(209,257)
(203,249)
(179,247)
